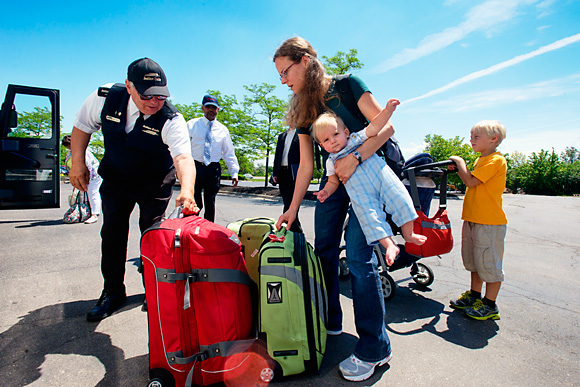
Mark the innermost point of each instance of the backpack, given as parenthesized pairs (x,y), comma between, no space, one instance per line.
(390,150)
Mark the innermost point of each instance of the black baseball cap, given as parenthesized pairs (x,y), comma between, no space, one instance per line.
(148,77)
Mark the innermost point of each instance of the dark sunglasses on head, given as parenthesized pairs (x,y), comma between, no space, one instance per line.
(148,97)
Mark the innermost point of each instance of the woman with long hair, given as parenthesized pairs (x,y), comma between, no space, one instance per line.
(314,92)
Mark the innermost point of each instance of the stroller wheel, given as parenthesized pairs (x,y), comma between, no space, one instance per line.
(388,284)
(422,274)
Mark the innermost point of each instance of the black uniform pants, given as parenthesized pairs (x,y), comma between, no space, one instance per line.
(118,203)
(287,184)
(207,179)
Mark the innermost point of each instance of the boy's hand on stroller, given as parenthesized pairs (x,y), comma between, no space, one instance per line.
(322,195)
(392,104)
(456,160)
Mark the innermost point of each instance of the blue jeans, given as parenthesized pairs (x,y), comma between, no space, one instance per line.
(367,295)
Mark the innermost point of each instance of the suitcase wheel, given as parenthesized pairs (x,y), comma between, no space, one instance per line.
(155,383)
(267,375)
(160,378)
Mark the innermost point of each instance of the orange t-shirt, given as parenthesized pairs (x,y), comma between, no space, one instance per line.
(483,203)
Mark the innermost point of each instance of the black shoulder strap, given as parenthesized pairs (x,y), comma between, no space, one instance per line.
(342,84)
(104,91)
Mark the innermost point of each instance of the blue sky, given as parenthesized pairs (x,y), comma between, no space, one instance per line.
(452,63)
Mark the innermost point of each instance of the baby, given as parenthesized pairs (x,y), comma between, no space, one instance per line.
(373,188)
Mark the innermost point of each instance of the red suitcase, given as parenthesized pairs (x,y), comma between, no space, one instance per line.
(199,303)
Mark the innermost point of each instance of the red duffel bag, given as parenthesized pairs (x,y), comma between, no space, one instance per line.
(199,303)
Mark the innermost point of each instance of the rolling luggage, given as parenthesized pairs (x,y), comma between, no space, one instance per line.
(251,232)
(199,302)
(293,303)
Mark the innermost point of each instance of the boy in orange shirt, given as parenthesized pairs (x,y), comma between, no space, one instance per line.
(484,221)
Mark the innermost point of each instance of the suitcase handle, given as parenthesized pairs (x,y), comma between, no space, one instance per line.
(176,213)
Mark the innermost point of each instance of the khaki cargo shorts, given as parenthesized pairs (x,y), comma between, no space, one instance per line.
(482,247)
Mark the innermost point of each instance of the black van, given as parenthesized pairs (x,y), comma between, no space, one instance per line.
(30,149)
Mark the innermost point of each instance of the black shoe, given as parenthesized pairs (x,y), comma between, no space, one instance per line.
(107,304)
(144,305)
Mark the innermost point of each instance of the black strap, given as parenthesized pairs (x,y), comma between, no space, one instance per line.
(342,86)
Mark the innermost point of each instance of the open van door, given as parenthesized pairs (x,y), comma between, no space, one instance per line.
(30,149)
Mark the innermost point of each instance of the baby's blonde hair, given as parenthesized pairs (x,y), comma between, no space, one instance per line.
(321,123)
(490,128)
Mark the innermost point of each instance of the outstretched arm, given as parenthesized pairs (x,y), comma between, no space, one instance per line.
(382,118)
(303,177)
(185,168)
(369,106)
(464,173)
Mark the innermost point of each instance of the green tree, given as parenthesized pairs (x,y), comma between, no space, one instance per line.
(540,175)
(441,149)
(342,63)
(268,114)
(35,124)
(570,155)
(570,178)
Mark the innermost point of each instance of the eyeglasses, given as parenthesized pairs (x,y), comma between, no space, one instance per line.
(284,73)
(149,97)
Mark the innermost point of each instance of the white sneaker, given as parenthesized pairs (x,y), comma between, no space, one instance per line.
(92,219)
(356,370)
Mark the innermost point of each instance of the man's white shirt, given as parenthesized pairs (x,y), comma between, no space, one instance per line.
(221,148)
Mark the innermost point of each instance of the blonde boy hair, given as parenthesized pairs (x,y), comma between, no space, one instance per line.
(490,128)
(322,122)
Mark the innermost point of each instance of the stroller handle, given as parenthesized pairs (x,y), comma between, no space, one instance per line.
(432,165)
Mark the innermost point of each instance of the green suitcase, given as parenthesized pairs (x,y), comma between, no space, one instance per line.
(293,303)
(251,232)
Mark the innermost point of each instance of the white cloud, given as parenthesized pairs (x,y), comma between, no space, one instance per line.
(498,97)
(484,17)
(544,8)
(500,66)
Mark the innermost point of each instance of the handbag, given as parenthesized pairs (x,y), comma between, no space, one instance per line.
(79,211)
(438,232)
(72,198)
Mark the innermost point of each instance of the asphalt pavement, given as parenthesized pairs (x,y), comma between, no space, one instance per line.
(50,277)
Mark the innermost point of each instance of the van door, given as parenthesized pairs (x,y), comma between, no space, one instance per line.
(30,150)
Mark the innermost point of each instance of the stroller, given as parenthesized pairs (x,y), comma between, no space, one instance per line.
(437,228)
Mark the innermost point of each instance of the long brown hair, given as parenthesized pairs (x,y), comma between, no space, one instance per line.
(309,103)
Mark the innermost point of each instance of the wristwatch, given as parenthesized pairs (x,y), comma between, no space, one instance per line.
(357,155)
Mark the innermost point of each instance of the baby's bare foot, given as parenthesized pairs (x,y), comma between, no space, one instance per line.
(416,239)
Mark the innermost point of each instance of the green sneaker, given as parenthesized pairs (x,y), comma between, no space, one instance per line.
(464,301)
(481,311)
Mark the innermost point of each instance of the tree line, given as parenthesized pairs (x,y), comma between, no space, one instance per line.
(258,118)
(543,173)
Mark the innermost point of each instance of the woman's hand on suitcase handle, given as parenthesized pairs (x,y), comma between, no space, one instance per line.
(288,217)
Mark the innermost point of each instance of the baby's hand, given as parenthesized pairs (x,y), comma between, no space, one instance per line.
(321,195)
(392,104)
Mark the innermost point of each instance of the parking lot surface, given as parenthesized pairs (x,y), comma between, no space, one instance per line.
(50,276)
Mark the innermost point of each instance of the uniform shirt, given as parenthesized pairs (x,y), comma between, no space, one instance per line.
(173,134)
(483,203)
(221,143)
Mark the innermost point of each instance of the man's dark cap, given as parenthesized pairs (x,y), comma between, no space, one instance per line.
(210,100)
(148,77)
